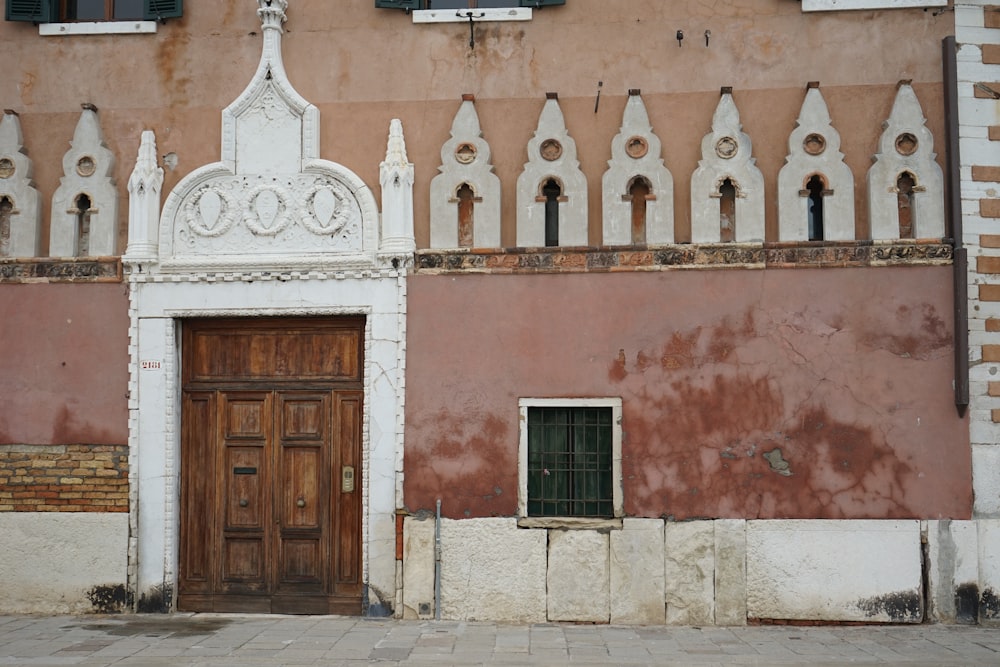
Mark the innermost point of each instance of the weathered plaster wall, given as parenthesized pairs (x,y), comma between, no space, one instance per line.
(64,364)
(845,374)
(59,563)
(175,82)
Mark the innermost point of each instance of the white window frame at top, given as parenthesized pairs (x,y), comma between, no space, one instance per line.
(615,403)
(483,14)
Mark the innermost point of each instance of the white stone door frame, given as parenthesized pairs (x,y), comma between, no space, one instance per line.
(158,309)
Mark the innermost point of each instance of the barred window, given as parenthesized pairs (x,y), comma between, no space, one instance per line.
(571,457)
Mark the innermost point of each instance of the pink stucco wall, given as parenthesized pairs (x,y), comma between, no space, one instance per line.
(847,371)
(64,364)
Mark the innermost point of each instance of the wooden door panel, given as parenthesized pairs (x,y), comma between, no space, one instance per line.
(347,503)
(245,416)
(263,349)
(245,469)
(303,436)
(301,561)
(198,491)
(243,561)
(301,488)
(272,417)
(303,418)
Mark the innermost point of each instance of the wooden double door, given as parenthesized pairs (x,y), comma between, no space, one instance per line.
(271,466)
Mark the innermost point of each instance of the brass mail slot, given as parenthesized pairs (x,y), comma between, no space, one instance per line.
(244,471)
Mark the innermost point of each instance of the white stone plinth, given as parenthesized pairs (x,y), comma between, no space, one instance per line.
(834,570)
(689,572)
(491,569)
(637,574)
(578,576)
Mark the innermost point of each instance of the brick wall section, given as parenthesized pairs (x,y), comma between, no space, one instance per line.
(63,478)
(977,33)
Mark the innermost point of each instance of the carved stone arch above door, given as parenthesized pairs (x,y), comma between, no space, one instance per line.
(271,230)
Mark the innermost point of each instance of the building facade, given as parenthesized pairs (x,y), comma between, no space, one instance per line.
(395,308)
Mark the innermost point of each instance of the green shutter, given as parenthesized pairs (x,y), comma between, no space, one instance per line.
(35,11)
(158,10)
(541,3)
(400,4)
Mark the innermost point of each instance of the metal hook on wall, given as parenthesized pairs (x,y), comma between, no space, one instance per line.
(472,29)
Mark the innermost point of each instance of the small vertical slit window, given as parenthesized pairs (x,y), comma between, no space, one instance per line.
(570,462)
(727,211)
(466,215)
(83,213)
(551,191)
(816,189)
(6,213)
(905,190)
(639,193)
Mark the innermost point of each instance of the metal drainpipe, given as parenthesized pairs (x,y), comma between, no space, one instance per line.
(953,214)
(437,562)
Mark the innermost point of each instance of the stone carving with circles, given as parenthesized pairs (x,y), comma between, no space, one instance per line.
(267,212)
(325,213)
(210,212)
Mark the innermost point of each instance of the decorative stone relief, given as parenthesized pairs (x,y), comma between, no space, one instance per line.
(551,191)
(20,210)
(85,206)
(465,196)
(396,177)
(727,188)
(905,185)
(274,202)
(638,190)
(815,186)
(269,230)
(144,201)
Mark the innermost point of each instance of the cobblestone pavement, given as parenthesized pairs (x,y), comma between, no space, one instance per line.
(213,640)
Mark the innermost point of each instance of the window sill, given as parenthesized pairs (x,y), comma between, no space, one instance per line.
(459,15)
(97,28)
(839,5)
(569,523)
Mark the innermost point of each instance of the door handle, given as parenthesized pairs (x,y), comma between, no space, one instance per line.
(347,479)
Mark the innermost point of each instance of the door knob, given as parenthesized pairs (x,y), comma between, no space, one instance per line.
(301,502)
(244,502)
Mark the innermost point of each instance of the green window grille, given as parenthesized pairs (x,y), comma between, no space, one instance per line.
(569,462)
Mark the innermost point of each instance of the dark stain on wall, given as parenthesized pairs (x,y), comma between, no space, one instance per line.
(989,605)
(171,58)
(710,426)
(967,603)
(919,332)
(156,601)
(113,599)
(903,607)
(472,463)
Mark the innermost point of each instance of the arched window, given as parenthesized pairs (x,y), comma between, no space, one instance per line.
(551,191)
(639,192)
(83,212)
(727,211)
(466,215)
(905,186)
(6,211)
(816,189)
